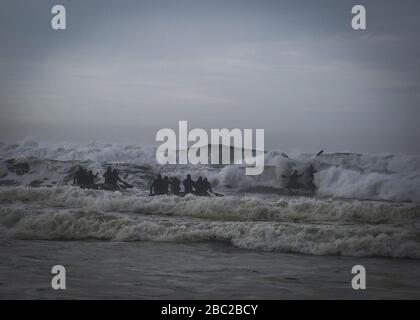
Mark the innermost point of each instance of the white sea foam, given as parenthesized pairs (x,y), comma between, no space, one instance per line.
(317,239)
(353,176)
(344,218)
(235,207)
(312,226)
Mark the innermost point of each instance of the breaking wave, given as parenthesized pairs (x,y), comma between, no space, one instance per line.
(339,175)
(347,216)
(309,226)
(236,208)
(365,240)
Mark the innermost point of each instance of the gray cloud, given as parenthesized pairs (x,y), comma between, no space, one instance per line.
(125,69)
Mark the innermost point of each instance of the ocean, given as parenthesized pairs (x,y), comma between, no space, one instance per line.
(256,242)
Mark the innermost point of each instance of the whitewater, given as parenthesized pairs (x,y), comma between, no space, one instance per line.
(366,205)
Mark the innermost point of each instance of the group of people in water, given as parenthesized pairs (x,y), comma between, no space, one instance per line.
(160,186)
(172,186)
(166,186)
(86,179)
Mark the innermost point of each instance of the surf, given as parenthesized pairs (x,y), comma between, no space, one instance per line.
(387,177)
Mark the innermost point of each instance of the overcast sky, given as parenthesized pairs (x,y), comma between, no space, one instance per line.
(124,69)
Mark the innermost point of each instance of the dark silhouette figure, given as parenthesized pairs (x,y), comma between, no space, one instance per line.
(175,186)
(84,179)
(156,187)
(78,177)
(202,187)
(115,178)
(112,178)
(207,186)
(294,181)
(189,185)
(199,186)
(310,175)
(108,176)
(90,179)
(165,185)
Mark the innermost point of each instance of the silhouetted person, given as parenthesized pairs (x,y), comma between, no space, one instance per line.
(84,179)
(156,187)
(165,185)
(199,187)
(175,186)
(90,179)
(189,185)
(115,178)
(78,177)
(108,176)
(294,180)
(207,186)
(310,176)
